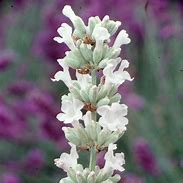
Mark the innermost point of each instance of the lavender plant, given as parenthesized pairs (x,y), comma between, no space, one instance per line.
(92,108)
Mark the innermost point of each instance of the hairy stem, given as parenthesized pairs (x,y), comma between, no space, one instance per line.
(94,116)
(92,159)
(94,77)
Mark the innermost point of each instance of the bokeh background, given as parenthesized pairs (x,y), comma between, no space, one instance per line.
(31,137)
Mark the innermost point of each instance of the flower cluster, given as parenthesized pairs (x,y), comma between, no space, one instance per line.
(92,107)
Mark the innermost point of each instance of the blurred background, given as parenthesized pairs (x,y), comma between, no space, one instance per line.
(31,137)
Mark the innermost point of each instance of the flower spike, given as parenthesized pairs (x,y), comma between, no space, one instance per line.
(92,107)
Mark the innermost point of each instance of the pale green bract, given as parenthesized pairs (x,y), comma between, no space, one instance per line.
(92,106)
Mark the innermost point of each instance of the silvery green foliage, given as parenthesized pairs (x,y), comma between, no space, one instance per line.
(92,106)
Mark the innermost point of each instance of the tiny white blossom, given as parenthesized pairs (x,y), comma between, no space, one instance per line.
(68,12)
(121,39)
(112,161)
(107,181)
(83,80)
(87,118)
(100,34)
(116,77)
(71,110)
(78,23)
(65,32)
(67,161)
(112,117)
(63,75)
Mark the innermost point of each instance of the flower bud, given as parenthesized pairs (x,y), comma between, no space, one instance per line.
(75,92)
(102,93)
(102,136)
(80,178)
(93,94)
(115,98)
(86,52)
(72,174)
(84,96)
(91,177)
(103,101)
(71,135)
(116,178)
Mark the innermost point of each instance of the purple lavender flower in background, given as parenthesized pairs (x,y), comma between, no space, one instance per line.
(33,161)
(167,31)
(10,126)
(145,157)
(131,178)
(52,130)
(6,59)
(12,166)
(161,9)
(132,99)
(20,88)
(10,178)
(41,102)
(46,48)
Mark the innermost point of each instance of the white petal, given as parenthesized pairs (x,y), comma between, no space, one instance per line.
(58,39)
(73,151)
(113,162)
(106,18)
(68,12)
(121,39)
(61,117)
(112,147)
(77,104)
(87,118)
(103,110)
(58,76)
(124,109)
(85,81)
(63,75)
(124,64)
(65,31)
(77,116)
(112,117)
(100,33)
(67,106)
(67,161)
(119,76)
(71,109)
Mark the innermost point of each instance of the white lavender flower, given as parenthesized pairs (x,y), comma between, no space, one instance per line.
(121,39)
(71,110)
(89,44)
(112,117)
(112,161)
(92,107)
(67,161)
(63,75)
(65,32)
(116,77)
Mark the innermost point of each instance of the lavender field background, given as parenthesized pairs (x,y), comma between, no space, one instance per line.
(30,135)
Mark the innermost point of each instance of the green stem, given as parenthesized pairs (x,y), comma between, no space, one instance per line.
(94,116)
(92,159)
(94,77)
